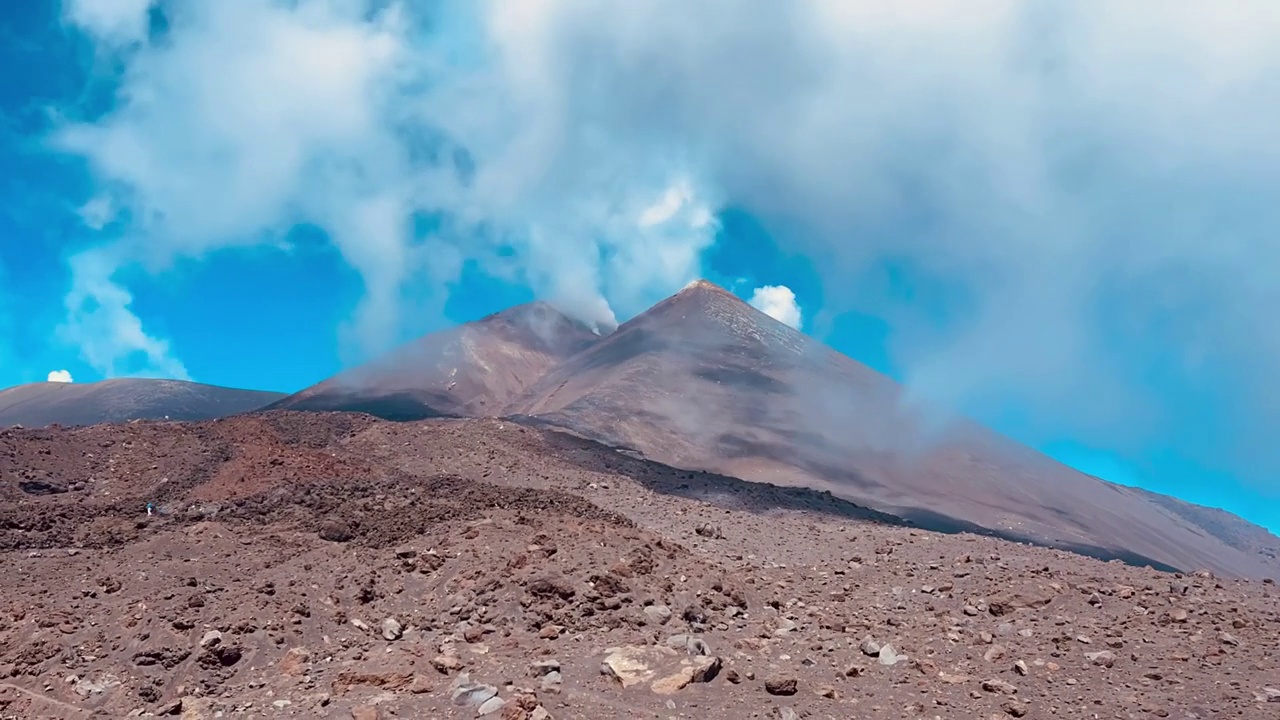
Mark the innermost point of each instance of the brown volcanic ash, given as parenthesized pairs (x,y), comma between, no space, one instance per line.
(470,370)
(123,399)
(704,381)
(329,565)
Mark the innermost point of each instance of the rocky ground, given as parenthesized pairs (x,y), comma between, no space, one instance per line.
(334,566)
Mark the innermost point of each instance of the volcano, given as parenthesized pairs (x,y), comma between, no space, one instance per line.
(704,381)
(123,399)
(471,370)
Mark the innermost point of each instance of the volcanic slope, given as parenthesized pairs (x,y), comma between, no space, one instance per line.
(330,565)
(123,399)
(470,370)
(702,380)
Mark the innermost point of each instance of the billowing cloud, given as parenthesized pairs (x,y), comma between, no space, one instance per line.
(1061,207)
(60,376)
(779,303)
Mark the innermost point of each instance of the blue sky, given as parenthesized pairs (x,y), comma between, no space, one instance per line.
(1059,219)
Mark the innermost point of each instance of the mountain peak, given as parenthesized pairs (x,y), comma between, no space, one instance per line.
(703,284)
(705,289)
(704,312)
(472,369)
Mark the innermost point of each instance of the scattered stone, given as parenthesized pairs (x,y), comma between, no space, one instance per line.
(1102,658)
(210,639)
(491,706)
(659,614)
(889,656)
(447,663)
(295,662)
(710,530)
(86,688)
(702,669)
(469,694)
(336,531)
(999,686)
(1021,668)
(781,685)
(551,681)
(392,629)
(544,667)
(1018,601)
(691,644)
(1014,708)
(628,665)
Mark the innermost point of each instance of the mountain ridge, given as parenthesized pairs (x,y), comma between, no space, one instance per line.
(703,381)
(122,400)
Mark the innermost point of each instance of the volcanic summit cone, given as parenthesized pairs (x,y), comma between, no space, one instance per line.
(470,370)
(704,381)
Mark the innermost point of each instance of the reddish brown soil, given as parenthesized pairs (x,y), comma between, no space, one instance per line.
(283,542)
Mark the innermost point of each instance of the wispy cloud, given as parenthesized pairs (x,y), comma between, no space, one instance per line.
(116,22)
(1088,188)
